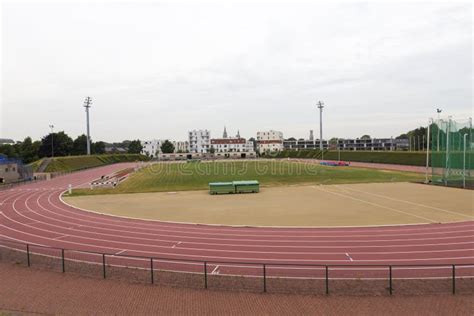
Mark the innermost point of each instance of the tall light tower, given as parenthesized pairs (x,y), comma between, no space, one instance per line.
(87,105)
(320,107)
(438,126)
(52,143)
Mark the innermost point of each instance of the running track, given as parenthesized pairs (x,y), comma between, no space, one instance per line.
(35,214)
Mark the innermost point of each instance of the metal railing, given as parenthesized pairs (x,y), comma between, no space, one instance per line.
(251,276)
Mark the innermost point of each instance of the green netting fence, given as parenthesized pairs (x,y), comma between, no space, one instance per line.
(452,153)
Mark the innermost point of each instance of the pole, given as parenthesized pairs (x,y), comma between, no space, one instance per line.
(151,269)
(390,277)
(62,260)
(320,107)
(264,278)
(448,129)
(103,265)
(427,152)
(454,279)
(28,255)
(464,163)
(52,140)
(327,280)
(205,274)
(87,105)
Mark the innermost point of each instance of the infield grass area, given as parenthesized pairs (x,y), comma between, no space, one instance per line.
(165,177)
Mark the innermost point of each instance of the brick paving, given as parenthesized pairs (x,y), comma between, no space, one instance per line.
(29,291)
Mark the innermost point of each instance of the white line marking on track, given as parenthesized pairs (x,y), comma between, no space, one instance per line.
(57,238)
(215,271)
(174,246)
(121,251)
(348,256)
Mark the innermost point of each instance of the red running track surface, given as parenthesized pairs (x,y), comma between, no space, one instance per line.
(35,214)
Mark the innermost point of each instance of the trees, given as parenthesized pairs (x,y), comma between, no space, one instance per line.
(62,145)
(365,137)
(98,148)
(79,146)
(135,147)
(167,147)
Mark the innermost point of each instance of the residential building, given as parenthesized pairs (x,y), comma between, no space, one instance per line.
(151,148)
(269,141)
(9,170)
(181,146)
(6,141)
(199,141)
(227,145)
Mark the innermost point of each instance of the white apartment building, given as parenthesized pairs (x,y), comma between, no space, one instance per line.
(269,141)
(199,141)
(181,146)
(151,148)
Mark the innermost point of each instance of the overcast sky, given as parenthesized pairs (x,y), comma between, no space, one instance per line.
(159,70)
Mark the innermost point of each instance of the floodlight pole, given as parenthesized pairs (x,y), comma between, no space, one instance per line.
(428,152)
(87,105)
(52,141)
(448,130)
(438,123)
(464,163)
(320,107)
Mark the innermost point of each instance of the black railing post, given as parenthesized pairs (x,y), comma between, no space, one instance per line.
(264,278)
(28,255)
(205,274)
(327,280)
(103,265)
(62,260)
(151,270)
(390,277)
(454,279)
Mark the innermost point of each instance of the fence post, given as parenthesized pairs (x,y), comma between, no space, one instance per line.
(390,282)
(151,270)
(205,274)
(327,280)
(264,278)
(28,254)
(103,264)
(62,260)
(454,279)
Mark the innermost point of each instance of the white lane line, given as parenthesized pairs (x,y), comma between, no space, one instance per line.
(348,256)
(174,246)
(215,271)
(375,204)
(121,251)
(57,238)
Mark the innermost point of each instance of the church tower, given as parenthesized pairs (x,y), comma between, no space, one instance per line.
(224,135)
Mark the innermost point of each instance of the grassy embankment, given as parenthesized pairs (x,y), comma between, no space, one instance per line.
(74,163)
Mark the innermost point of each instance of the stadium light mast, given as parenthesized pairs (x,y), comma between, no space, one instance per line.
(52,143)
(438,124)
(87,105)
(320,107)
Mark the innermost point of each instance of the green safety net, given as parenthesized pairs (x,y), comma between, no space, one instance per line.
(452,149)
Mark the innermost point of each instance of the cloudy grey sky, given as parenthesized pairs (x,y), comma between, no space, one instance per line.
(159,70)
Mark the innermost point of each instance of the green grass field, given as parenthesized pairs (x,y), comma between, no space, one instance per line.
(165,177)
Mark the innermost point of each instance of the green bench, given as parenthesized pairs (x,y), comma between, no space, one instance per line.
(251,186)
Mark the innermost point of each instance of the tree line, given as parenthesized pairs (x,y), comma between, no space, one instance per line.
(61,144)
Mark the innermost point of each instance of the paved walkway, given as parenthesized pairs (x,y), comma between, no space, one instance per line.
(30,291)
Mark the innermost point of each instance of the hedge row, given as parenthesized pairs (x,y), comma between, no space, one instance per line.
(388,157)
(73,163)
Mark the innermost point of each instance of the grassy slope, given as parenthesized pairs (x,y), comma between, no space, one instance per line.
(175,177)
(72,163)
